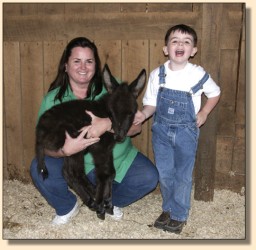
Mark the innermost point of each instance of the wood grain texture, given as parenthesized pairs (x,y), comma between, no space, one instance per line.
(129,37)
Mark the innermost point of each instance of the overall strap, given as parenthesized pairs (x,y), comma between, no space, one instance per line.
(200,84)
(162,74)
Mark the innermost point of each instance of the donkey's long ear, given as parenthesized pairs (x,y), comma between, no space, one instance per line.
(109,80)
(138,84)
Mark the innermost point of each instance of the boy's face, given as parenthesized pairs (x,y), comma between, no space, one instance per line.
(180,48)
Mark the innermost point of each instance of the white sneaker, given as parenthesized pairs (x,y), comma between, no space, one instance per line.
(118,213)
(63,219)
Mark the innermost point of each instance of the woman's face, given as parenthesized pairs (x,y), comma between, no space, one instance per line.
(80,66)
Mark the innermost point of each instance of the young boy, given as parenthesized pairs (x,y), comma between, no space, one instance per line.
(173,95)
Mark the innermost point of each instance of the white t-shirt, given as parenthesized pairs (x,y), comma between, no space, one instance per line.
(182,80)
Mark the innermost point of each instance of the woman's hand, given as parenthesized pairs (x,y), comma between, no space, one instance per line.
(99,126)
(75,145)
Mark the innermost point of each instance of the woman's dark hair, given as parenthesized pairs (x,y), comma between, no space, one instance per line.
(183,29)
(62,78)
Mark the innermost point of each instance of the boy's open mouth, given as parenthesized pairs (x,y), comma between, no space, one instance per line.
(179,52)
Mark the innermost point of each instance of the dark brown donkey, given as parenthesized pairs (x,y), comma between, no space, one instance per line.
(120,105)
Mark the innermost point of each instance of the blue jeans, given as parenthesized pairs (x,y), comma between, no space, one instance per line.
(175,138)
(140,179)
(175,151)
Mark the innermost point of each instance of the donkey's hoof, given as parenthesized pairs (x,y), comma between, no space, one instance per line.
(109,210)
(93,208)
(101,215)
(91,205)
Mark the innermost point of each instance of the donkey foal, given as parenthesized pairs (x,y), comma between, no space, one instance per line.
(120,105)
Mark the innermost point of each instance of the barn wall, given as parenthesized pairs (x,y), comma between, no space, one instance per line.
(129,37)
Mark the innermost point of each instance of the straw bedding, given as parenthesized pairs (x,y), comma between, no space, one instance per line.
(26,215)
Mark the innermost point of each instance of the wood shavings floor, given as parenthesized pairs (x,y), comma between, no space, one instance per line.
(26,215)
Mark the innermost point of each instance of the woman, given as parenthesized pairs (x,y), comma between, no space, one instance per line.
(79,77)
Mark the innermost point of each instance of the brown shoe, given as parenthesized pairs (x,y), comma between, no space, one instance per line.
(174,226)
(162,220)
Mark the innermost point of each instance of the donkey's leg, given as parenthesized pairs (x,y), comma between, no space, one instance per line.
(105,174)
(73,171)
(108,195)
(103,197)
(107,191)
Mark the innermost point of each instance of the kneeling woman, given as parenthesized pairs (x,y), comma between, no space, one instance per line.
(79,77)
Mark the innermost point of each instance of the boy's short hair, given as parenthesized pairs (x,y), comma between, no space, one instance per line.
(183,29)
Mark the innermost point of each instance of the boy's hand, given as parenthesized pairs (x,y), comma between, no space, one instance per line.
(201,118)
(206,110)
(139,118)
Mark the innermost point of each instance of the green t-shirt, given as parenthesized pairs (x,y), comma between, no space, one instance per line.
(123,153)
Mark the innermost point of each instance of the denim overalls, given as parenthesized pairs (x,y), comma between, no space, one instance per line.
(175,138)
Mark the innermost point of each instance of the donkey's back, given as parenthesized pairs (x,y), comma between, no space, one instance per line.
(68,116)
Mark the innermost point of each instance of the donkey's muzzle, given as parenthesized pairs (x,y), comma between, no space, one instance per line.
(119,137)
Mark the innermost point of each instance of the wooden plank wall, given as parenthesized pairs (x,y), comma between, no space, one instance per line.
(129,37)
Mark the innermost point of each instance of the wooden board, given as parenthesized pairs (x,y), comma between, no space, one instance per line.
(107,26)
(110,53)
(13,103)
(52,52)
(206,156)
(31,60)
(132,64)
